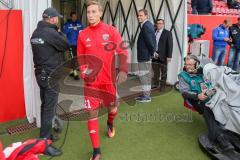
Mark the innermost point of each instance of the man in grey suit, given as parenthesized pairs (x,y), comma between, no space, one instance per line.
(146,45)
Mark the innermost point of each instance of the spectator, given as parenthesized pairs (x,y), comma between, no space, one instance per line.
(234,4)
(146,45)
(234,53)
(202,6)
(163,54)
(71,29)
(220,37)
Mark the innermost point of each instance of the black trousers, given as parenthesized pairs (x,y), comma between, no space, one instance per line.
(74,61)
(49,99)
(157,69)
(214,127)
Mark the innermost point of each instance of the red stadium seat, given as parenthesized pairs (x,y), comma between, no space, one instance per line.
(214,12)
(218,10)
(222,11)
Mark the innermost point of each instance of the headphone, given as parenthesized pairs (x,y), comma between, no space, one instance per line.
(195,58)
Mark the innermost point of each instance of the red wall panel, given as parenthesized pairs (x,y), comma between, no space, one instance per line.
(12,105)
(210,22)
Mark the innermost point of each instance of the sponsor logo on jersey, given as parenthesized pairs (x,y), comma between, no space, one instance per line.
(105,37)
(234,32)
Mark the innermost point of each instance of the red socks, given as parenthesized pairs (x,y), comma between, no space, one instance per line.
(111,117)
(2,157)
(93,132)
(93,128)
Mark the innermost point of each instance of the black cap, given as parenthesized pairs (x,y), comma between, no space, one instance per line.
(51,12)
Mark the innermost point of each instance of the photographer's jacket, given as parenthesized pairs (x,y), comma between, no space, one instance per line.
(190,85)
(48,46)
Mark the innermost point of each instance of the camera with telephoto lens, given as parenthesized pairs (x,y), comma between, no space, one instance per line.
(210,92)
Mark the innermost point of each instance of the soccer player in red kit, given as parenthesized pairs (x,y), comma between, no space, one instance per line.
(97,46)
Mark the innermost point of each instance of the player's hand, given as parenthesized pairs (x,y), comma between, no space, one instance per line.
(202,96)
(121,77)
(226,39)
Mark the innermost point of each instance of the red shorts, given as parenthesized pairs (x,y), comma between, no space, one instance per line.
(96,95)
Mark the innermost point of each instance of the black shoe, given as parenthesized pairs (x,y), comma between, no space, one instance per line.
(76,77)
(54,138)
(71,74)
(52,151)
(154,87)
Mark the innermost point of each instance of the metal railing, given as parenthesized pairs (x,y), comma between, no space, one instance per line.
(7,3)
(131,35)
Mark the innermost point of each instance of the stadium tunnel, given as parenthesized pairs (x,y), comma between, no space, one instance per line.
(123,15)
(120,13)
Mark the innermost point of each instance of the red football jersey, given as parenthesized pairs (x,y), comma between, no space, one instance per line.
(96,48)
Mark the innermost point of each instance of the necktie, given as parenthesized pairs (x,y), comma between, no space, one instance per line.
(157,34)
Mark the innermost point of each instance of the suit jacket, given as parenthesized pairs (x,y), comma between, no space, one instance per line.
(146,42)
(165,47)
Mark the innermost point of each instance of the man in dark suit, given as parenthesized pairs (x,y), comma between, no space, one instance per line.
(146,45)
(163,54)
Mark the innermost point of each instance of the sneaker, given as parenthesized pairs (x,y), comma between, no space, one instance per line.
(144,99)
(154,86)
(71,74)
(75,75)
(97,157)
(139,97)
(111,133)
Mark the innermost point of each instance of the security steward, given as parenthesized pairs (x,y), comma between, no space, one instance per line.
(48,46)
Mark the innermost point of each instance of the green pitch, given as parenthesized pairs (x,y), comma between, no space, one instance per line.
(160,130)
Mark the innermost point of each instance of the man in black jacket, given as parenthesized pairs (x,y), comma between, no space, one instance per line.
(48,46)
(234,53)
(163,54)
(234,4)
(202,6)
(146,45)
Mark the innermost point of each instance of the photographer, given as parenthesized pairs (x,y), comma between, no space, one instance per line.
(48,46)
(197,91)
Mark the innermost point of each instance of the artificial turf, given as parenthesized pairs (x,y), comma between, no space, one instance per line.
(160,130)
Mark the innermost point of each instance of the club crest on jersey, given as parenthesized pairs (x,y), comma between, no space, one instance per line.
(234,32)
(105,37)
(193,82)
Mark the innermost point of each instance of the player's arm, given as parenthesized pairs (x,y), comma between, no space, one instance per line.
(123,57)
(80,53)
(185,90)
